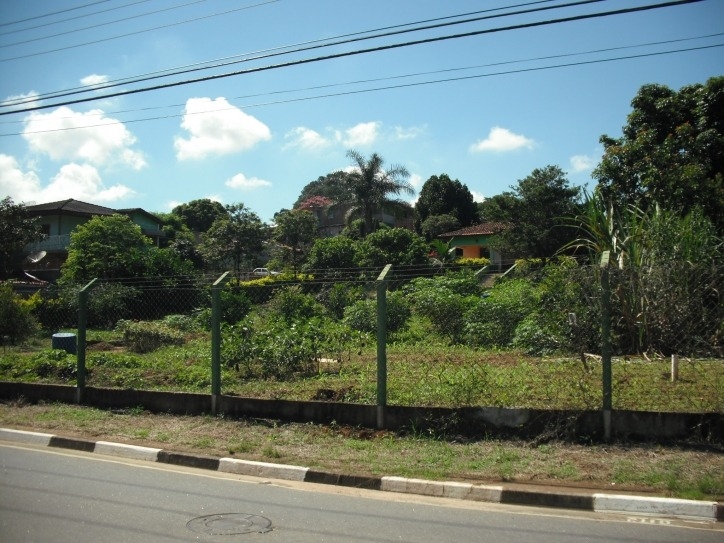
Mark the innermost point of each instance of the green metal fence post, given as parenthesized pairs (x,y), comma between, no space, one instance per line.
(216,341)
(382,345)
(82,326)
(606,344)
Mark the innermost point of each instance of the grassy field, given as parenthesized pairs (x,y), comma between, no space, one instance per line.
(693,473)
(426,374)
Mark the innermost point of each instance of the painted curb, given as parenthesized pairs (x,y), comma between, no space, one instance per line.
(135,452)
(612,503)
(262,469)
(596,502)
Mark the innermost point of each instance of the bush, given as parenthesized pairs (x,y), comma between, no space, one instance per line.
(144,337)
(492,321)
(445,310)
(340,296)
(362,315)
(291,305)
(55,364)
(235,304)
(16,318)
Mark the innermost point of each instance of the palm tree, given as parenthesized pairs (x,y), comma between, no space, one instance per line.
(370,187)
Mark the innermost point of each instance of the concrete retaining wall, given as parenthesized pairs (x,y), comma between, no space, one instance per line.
(494,421)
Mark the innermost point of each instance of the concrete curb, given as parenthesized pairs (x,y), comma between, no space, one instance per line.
(595,502)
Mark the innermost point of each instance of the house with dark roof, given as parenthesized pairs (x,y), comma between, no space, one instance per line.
(475,241)
(59,219)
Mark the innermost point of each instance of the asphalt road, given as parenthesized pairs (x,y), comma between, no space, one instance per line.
(68,496)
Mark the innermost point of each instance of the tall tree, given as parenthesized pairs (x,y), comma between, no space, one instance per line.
(235,239)
(108,247)
(538,208)
(17,229)
(200,214)
(332,186)
(440,195)
(671,152)
(371,187)
(295,231)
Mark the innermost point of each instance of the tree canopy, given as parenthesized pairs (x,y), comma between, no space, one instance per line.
(371,188)
(332,186)
(441,195)
(536,210)
(671,152)
(295,231)
(108,247)
(200,214)
(234,239)
(17,229)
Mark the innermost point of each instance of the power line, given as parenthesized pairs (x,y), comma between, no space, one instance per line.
(393,87)
(358,52)
(53,13)
(139,31)
(286,49)
(72,18)
(131,17)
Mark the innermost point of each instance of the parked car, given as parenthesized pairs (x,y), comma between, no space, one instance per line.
(264,272)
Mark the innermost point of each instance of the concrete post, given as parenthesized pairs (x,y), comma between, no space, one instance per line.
(382,346)
(216,341)
(82,326)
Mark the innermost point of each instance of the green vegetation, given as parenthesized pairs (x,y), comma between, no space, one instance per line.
(665,471)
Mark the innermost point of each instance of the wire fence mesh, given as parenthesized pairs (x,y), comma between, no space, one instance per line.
(454,338)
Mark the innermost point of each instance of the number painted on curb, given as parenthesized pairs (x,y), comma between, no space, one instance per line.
(645,520)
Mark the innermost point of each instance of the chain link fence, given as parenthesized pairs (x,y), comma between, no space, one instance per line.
(529,338)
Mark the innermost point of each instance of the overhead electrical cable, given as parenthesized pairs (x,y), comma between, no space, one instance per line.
(8,23)
(388,78)
(98,25)
(73,18)
(390,87)
(287,49)
(29,55)
(358,52)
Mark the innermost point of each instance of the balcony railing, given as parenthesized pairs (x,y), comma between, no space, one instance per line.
(50,243)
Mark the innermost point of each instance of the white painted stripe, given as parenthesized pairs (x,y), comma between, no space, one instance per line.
(135,452)
(262,469)
(442,489)
(21,436)
(654,506)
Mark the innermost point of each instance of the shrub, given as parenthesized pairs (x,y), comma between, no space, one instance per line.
(492,321)
(55,364)
(339,296)
(16,319)
(144,337)
(445,309)
(291,305)
(362,315)
(235,304)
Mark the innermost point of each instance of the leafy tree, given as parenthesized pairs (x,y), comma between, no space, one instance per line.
(333,187)
(370,188)
(440,195)
(200,214)
(107,247)
(435,225)
(234,239)
(537,208)
(397,246)
(498,208)
(295,231)
(671,152)
(330,256)
(17,229)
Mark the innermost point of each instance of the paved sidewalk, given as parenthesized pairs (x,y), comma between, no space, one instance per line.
(601,502)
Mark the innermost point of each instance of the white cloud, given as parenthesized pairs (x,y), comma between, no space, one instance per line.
(416,180)
(89,137)
(94,79)
(501,140)
(79,181)
(408,133)
(477,196)
(21,101)
(217,128)
(582,163)
(240,181)
(361,134)
(306,139)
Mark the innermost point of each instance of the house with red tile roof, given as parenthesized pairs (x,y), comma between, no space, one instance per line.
(475,241)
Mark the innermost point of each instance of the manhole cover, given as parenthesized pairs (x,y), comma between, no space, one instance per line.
(229,524)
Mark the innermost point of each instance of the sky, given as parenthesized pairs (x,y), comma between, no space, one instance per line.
(154,103)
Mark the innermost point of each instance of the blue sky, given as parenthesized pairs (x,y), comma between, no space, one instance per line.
(485,109)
